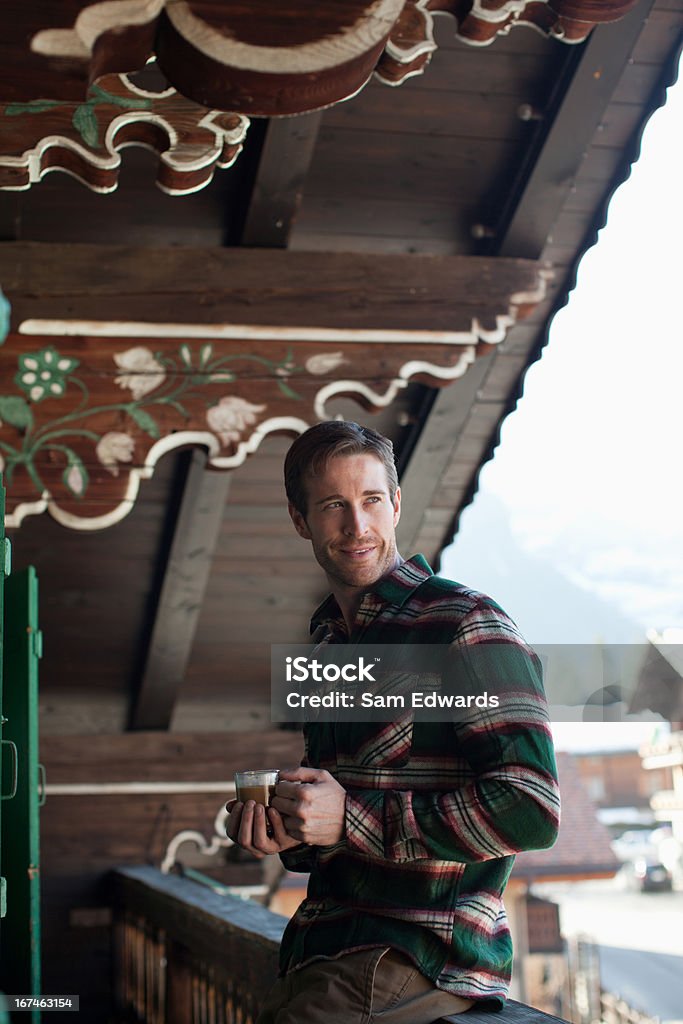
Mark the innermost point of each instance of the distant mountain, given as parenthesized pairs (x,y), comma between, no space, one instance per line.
(547,606)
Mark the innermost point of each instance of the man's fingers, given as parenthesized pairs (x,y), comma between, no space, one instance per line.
(303,775)
(232,823)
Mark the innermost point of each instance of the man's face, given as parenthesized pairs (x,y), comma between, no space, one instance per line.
(351,520)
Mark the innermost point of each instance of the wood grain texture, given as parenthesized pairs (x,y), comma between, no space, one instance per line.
(85,139)
(256,58)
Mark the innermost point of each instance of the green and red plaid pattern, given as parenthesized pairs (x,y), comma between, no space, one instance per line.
(435,811)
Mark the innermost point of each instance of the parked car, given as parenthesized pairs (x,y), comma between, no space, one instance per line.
(646,875)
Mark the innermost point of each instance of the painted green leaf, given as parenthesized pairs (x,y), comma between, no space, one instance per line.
(85,123)
(145,421)
(286,390)
(100,95)
(16,411)
(186,354)
(32,107)
(204,355)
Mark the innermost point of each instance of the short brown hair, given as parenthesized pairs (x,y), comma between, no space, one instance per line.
(313,449)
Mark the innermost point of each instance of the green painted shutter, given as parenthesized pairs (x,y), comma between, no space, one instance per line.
(4,571)
(7,753)
(20,935)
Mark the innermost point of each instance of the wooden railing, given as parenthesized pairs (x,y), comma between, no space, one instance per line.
(187,955)
(184,954)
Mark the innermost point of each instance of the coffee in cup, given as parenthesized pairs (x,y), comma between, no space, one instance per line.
(257,785)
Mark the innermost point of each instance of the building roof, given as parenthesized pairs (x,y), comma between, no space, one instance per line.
(583,846)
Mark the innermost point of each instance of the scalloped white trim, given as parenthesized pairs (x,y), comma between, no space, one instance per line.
(91,23)
(408,370)
(31,159)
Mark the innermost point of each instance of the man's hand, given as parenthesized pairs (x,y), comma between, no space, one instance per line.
(311,804)
(248,825)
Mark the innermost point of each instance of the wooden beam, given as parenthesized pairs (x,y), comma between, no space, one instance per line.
(186,574)
(286,155)
(432,295)
(445,423)
(544,182)
(565,132)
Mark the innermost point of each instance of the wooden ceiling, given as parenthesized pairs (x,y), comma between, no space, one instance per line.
(428,208)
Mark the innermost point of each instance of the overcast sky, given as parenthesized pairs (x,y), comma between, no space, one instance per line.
(590,465)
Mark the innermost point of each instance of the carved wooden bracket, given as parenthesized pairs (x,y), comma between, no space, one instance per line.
(88,406)
(411,44)
(257,58)
(84,139)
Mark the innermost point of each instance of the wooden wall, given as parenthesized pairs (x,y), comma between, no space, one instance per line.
(84,837)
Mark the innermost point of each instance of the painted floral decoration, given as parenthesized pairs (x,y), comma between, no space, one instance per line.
(43,374)
(145,373)
(113,448)
(231,416)
(173,384)
(325,362)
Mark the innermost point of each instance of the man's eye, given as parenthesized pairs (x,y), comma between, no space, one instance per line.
(333,504)
(374,498)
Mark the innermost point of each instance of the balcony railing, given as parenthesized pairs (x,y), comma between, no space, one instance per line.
(187,955)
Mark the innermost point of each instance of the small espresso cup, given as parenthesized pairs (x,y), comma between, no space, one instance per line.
(257,785)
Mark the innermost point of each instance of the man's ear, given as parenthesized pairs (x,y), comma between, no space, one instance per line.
(397,506)
(299,523)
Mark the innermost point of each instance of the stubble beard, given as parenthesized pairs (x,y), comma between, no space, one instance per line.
(357,576)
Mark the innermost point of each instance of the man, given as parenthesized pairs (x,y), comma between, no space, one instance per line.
(408,828)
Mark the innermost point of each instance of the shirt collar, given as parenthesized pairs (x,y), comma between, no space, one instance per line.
(394,589)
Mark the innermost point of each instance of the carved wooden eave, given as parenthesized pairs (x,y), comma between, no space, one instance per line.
(257,58)
(210,354)
(85,139)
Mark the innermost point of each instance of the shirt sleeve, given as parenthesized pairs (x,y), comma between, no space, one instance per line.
(303,857)
(300,858)
(509,799)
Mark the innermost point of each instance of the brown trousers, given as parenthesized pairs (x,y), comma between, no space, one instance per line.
(373,986)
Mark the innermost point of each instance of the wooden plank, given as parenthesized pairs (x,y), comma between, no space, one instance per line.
(286,154)
(435,111)
(60,209)
(533,207)
(487,69)
(382,218)
(161,755)
(186,574)
(433,450)
(405,165)
(323,242)
(659,31)
(256,287)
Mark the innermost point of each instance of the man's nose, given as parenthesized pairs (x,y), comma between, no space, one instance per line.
(355,523)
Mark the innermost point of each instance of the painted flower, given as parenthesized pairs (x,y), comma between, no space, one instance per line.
(285,369)
(75,480)
(145,373)
(43,374)
(325,362)
(230,418)
(113,448)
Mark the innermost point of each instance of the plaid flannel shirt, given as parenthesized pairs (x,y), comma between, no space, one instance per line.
(435,811)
